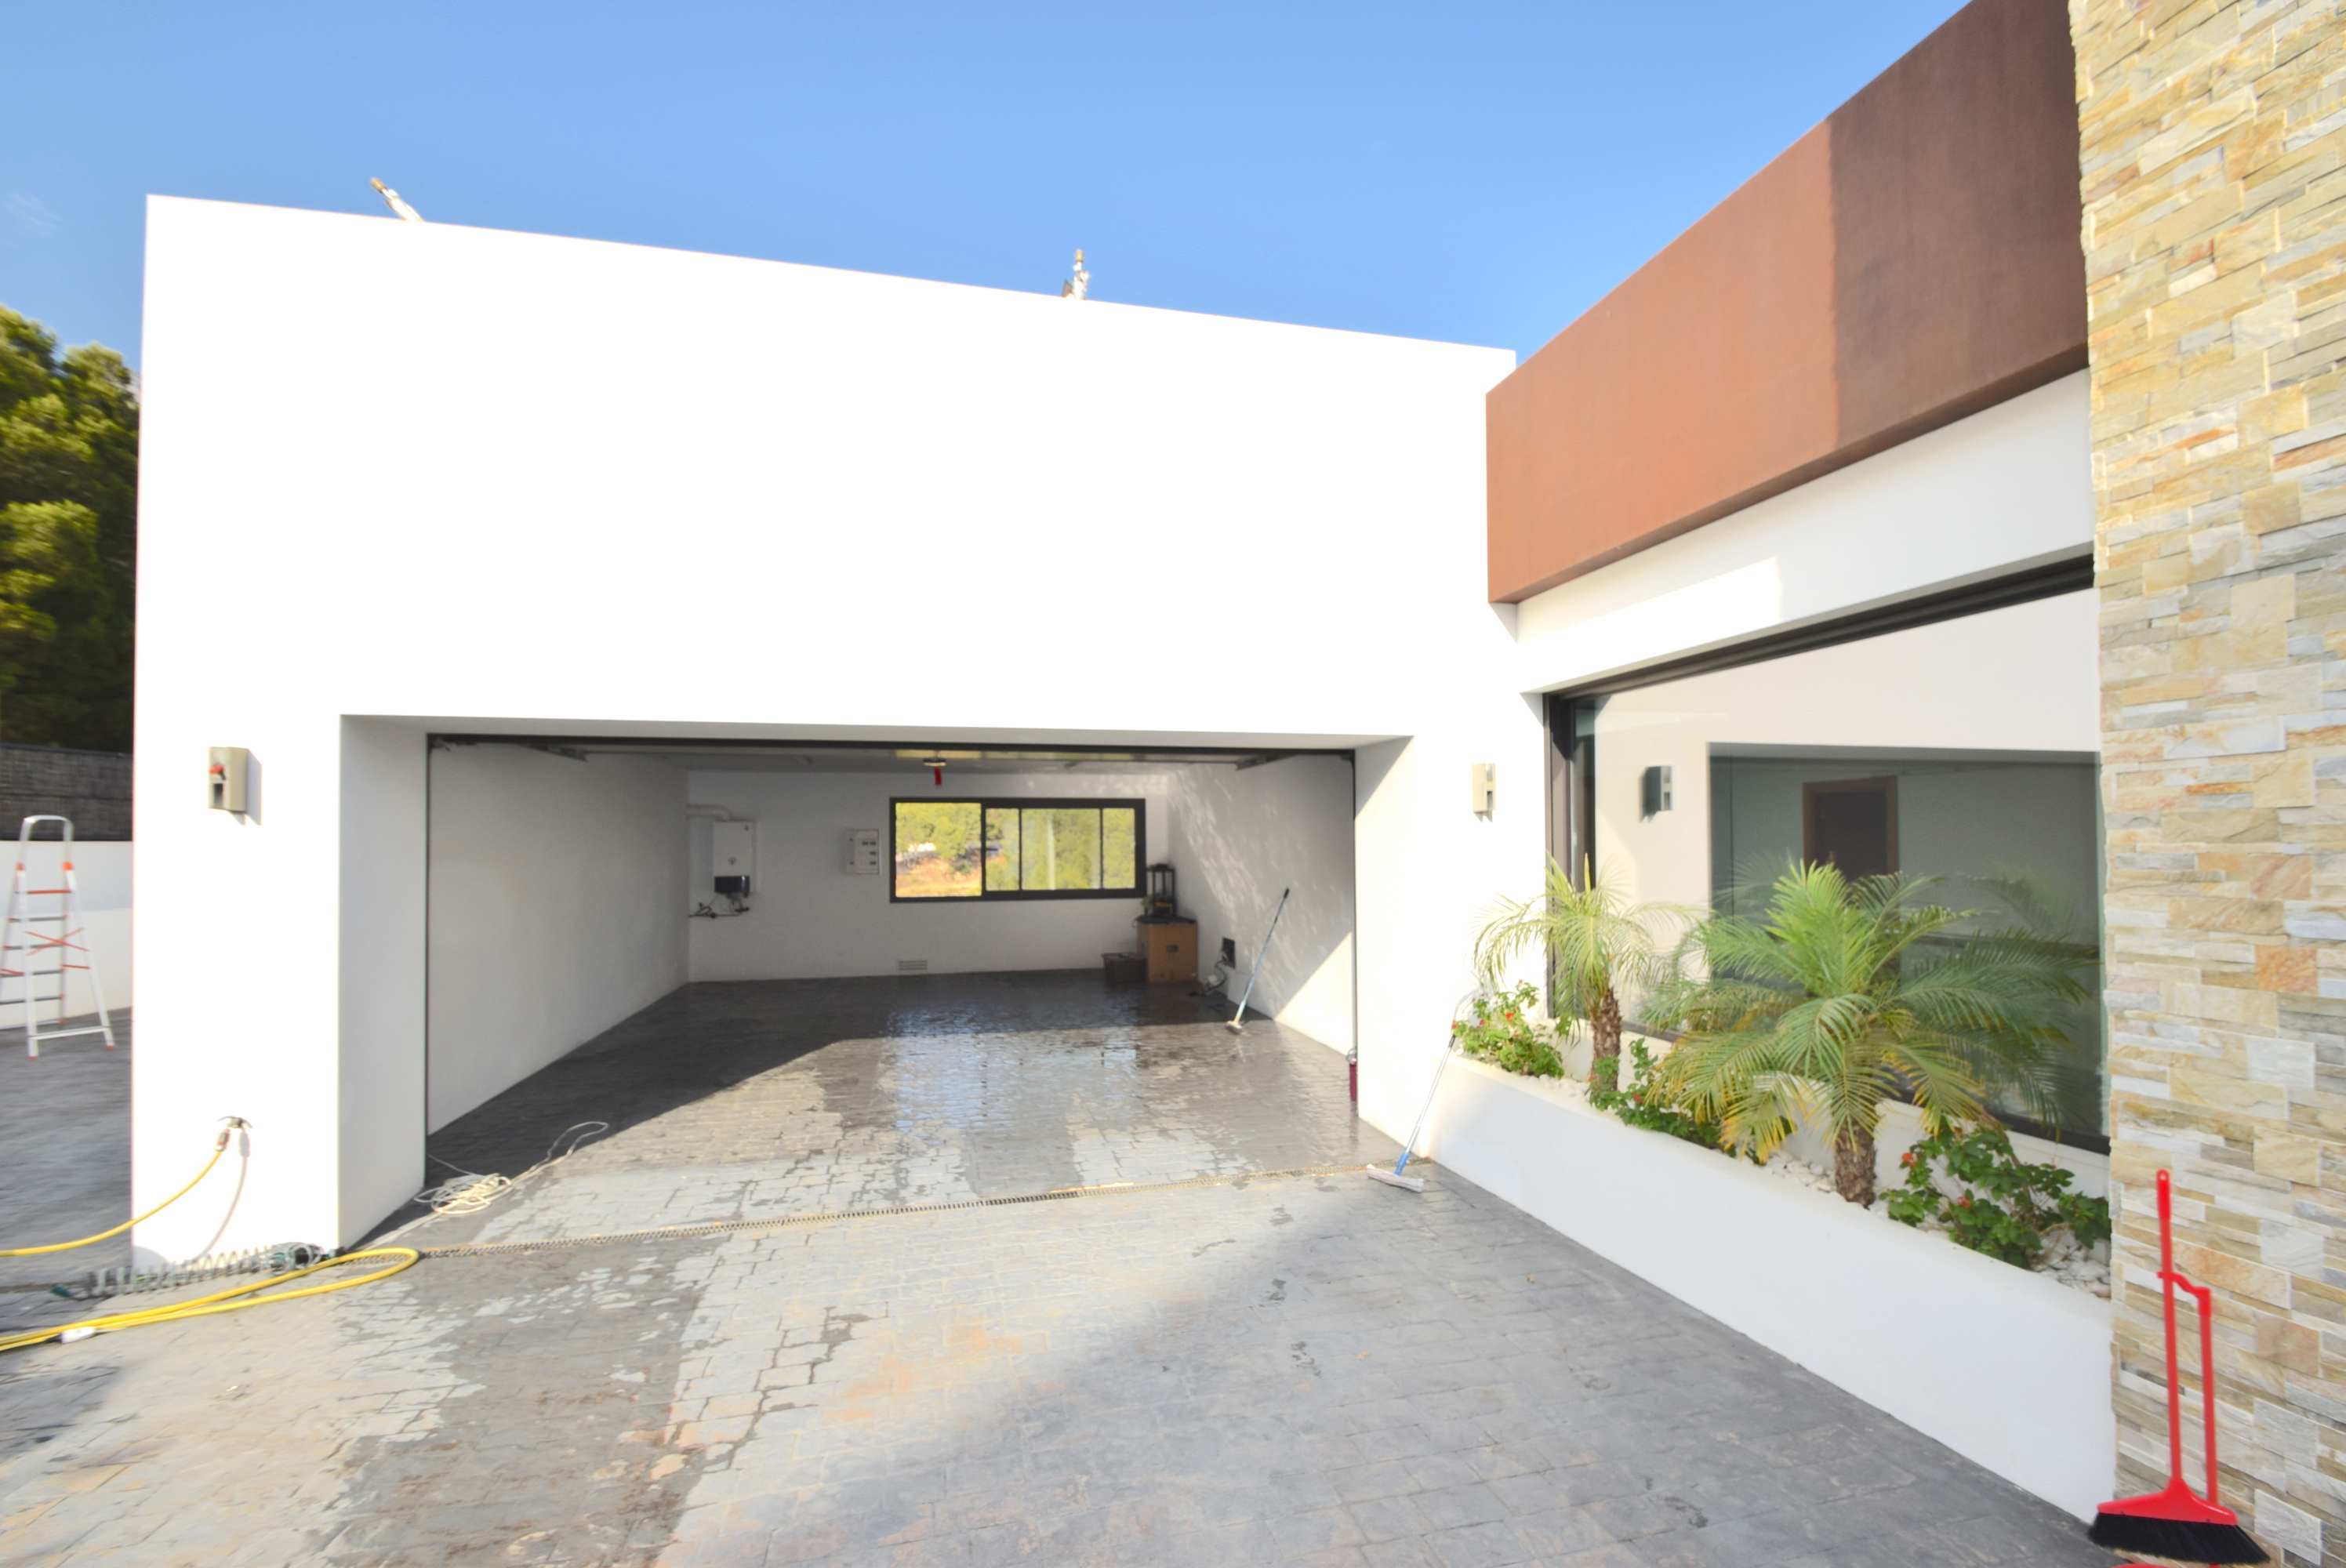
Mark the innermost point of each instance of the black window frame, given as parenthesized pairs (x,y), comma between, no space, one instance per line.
(1137,805)
(1572,754)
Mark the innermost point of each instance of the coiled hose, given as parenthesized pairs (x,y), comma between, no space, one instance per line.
(260,1293)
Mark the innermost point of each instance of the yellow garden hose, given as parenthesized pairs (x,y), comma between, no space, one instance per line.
(224,1300)
(260,1293)
(219,1146)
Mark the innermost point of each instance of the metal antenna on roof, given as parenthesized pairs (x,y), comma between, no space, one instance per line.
(1079,283)
(397,205)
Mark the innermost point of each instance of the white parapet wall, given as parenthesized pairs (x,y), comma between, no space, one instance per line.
(2008,1368)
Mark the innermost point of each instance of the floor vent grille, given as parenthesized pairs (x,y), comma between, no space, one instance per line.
(911,966)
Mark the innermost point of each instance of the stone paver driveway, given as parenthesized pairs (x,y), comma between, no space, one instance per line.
(1306,1369)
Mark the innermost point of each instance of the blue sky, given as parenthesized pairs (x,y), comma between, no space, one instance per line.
(1478,173)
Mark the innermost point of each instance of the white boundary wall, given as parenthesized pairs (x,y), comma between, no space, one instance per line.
(102,877)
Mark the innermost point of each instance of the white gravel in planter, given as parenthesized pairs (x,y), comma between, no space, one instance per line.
(2080,1269)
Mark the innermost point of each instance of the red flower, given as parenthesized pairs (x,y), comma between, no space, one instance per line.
(1907,1158)
(1511,1017)
(1962,1203)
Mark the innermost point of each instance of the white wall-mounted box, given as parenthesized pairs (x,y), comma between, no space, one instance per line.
(863,851)
(734,854)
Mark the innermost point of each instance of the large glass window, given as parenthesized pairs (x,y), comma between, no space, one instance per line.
(1964,751)
(1016,849)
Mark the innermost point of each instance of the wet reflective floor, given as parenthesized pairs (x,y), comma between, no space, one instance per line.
(1314,1369)
(767,1099)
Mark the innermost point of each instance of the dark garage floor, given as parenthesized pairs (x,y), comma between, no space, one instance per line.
(761,1099)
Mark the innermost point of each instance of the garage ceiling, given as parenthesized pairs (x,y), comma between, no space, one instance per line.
(863,756)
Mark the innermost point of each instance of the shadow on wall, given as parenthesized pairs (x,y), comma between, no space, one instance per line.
(1239,838)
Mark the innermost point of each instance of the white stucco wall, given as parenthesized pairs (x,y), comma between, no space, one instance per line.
(809,916)
(488,510)
(556,890)
(2008,487)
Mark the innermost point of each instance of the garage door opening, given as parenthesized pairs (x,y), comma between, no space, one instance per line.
(764,981)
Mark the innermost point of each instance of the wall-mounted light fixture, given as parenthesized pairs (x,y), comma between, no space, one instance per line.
(1655,793)
(1486,787)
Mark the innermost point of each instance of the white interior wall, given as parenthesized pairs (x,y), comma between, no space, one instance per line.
(557,893)
(811,917)
(1241,835)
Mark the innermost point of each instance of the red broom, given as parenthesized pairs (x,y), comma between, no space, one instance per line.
(2177,1522)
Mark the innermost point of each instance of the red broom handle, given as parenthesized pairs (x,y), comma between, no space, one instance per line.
(2206,1300)
(2167,1293)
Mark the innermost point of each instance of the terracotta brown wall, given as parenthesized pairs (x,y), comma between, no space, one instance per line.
(1911,260)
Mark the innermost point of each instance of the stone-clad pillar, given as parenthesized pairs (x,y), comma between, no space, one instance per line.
(2213,162)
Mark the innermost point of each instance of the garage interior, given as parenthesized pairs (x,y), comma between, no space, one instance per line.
(735,982)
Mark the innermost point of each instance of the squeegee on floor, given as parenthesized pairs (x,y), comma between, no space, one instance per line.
(1399,1177)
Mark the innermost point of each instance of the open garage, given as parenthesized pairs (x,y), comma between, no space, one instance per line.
(710,982)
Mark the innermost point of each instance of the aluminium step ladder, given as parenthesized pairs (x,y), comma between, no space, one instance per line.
(24,942)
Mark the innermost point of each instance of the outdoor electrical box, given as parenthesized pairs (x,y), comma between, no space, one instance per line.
(733,856)
(1486,787)
(1657,791)
(227,779)
(863,851)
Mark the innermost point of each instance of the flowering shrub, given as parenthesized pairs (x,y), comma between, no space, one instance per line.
(1641,1104)
(2005,1210)
(1506,1032)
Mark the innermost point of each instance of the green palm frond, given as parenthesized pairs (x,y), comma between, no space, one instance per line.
(1596,940)
(1842,994)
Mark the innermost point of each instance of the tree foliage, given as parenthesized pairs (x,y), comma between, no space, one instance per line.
(1848,993)
(1601,949)
(68,539)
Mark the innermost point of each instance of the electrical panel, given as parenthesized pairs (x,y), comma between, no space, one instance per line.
(733,856)
(863,851)
(1485,786)
(227,778)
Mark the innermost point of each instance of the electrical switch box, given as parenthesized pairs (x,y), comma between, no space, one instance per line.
(1654,792)
(228,778)
(863,851)
(733,857)
(1485,786)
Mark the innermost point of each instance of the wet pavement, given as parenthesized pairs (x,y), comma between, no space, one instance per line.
(1257,1369)
(760,1099)
(65,1152)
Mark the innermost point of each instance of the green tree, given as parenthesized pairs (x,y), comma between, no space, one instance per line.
(68,539)
(1844,994)
(1599,946)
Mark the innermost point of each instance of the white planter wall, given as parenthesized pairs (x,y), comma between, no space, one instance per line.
(2007,1367)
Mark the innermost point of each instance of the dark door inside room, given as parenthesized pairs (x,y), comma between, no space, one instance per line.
(1851,823)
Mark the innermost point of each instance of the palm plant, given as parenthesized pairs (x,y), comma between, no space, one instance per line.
(1598,945)
(1831,1002)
